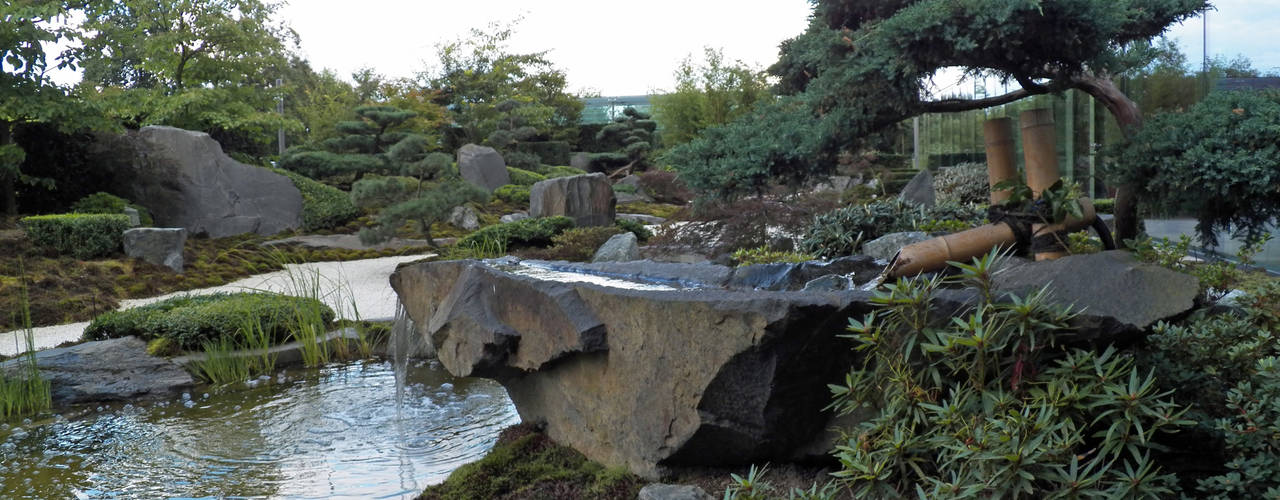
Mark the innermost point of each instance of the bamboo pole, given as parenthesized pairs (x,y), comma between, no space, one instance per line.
(1001,165)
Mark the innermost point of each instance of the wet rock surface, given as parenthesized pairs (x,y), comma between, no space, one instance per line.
(587,199)
(109,370)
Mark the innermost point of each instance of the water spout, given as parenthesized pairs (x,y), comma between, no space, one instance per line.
(401,346)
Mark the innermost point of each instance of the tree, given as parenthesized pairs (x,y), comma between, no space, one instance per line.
(376,143)
(634,132)
(423,204)
(710,92)
(865,65)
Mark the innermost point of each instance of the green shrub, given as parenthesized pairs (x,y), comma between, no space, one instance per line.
(1105,205)
(562,171)
(843,231)
(527,162)
(522,233)
(512,193)
(547,152)
(106,203)
(191,321)
(577,244)
(982,403)
(625,188)
(963,183)
(665,187)
(521,177)
(83,236)
(323,207)
(763,255)
(642,233)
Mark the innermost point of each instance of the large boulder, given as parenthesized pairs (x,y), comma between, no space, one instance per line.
(185,180)
(885,247)
(1116,295)
(108,370)
(483,166)
(920,190)
(620,248)
(161,246)
(587,199)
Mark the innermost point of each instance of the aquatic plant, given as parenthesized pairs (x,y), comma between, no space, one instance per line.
(24,391)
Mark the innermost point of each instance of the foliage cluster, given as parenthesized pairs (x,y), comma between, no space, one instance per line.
(963,183)
(665,187)
(633,132)
(423,205)
(577,244)
(1218,161)
(521,177)
(23,390)
(1104,205)
(323,206)
(84,236)
(537,232)
(642,233)
(191,321)
(106,203)
(763,255)
(512,193)
(561,171)
(1217,276)
(844,230)
(709,92)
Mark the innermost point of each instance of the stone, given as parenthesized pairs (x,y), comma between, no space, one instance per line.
(108,370)
(920,190)
(185,180)
(659,491)
(829,283)
(587,199)
(788,276)
(464,217)
(483,166)
(885,247)
(518,216)
(649,220)
(631,180)
(135,218)
(161,246)
(636,197)
(581,161)
(835,183)
(1116,295)
(620,248)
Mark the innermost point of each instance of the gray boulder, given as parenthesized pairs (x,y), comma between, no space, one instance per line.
(518,216)
(642,218)
(659,491)
(108,370)
(483,166)
(464,217)
(920,190)
(587,199)
(161,246)
(619,248)
(787,276)
(1117,295)
(885,247)
(135,218)
(185,180)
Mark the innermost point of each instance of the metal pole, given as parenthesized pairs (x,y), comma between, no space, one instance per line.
(280,109)
(1093,137)
(915,142)
(1071,136)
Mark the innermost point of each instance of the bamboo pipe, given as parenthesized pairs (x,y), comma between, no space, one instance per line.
(1039,150)
(998,135)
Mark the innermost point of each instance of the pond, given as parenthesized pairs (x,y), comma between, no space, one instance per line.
(334,432)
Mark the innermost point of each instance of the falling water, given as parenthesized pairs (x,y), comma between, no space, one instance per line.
(401,346)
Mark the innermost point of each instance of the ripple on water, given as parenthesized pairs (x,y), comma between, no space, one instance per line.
(328,433)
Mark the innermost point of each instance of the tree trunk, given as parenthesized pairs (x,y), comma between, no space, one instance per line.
(8,189)
(1129,117)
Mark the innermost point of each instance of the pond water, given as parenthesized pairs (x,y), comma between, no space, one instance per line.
(334,432)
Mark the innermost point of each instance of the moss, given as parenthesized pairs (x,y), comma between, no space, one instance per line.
(526,464)
(655,209)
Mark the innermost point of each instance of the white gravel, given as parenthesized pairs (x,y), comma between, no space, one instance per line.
(360,283)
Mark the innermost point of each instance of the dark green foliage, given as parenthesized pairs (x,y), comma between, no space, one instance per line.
(1219,162)
(527,464)
(577,244)
(844,230)
(371,145)
(562,171)
(323,207)
(84,236)
(521,177)
(625,188)
(513,194)
(963,183)
(423,205)
(1104,205)
(665,187)
(548,152)
(607,162)
(633,133)
(522,161)
(70,163)
(190,321)
(107,203)
(983,404)
(642,233)
(522,233)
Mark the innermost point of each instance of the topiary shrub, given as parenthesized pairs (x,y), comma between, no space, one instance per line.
(521,161)
(523,233)
(642,233)
(521,177)
(562,171)
(190,321)
(963,183)
(83,236)
(106,203)
(323,206)
(512,194)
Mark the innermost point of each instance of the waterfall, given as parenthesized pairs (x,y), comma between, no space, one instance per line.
(401,346)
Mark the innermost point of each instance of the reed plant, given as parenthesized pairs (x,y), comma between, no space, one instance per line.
(221,365)
(22,390)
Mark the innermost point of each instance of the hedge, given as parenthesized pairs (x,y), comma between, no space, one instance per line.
(323,207)
(513,194)
(190,321)
(549,152)
(562,171)
(522,233)
(521,177)
(107,203)
(84,236)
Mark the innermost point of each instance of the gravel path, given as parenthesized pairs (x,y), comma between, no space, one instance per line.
(365,281)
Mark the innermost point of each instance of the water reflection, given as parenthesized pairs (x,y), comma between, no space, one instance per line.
(330,433)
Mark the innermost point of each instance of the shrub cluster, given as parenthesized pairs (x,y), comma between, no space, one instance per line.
(83,236)
(523,233)
(763,255)
(512,193)
(665,187)
(106,203)
(190,321)
(577,244)
(323,206)
(844,230)
(963,183)
(1104,205)
(562,171)
(521,177)
(521,161)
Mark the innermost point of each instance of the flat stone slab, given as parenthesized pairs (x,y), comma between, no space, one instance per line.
(107,370)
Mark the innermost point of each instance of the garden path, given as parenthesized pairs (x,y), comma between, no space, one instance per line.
(363,283)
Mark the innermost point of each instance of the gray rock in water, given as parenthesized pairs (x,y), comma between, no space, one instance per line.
(518,216)
(659,491)
(185,180)
(135,218)
(788,276)
(161,246)
(587,199)
(483,166)
(619,248)
(107,370)
(829,283)
(920,190)
(642,218)
(1117,295)
(464,217)
(885,247)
